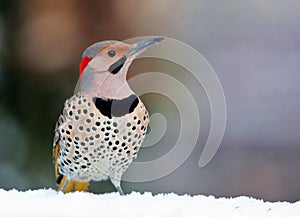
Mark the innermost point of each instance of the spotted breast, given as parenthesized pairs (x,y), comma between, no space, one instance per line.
(99,138)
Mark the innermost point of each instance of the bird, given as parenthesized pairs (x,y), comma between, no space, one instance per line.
(102,126)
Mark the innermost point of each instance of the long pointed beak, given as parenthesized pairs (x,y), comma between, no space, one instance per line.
(137,48)
(142,45)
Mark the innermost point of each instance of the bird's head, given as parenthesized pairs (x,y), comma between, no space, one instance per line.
(104,66)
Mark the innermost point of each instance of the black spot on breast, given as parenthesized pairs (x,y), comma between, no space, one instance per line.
(116,107)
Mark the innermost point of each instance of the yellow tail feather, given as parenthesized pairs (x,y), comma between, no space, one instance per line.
(72,186)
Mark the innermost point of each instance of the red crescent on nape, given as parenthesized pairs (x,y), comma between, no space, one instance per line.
(83,64)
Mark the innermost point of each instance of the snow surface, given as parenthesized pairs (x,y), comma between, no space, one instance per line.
(50,203)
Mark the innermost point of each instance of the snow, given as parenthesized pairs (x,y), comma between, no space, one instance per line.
(51,203)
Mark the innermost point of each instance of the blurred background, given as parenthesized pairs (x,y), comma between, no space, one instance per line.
(254,47)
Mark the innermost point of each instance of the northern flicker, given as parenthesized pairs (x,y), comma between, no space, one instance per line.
(102,126)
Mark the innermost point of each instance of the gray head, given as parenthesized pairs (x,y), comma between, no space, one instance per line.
(104,66)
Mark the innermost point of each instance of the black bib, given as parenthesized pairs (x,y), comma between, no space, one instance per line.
(116,107)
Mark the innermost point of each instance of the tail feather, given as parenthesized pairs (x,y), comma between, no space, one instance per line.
(71,186)
(64,184)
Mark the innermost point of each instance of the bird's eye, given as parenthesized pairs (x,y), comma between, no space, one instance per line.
(111,53)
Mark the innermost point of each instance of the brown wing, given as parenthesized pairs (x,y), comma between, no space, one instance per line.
(56,148)
(64,184)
